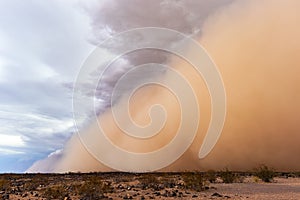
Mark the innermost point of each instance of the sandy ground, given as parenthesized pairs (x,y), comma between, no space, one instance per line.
(142,186)
(281,188)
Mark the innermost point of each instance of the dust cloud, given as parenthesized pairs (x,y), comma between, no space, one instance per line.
(256,46)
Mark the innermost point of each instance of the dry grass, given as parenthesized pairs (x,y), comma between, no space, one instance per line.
(265,173)
(118,185)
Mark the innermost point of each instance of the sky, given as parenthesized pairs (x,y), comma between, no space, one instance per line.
(42,45)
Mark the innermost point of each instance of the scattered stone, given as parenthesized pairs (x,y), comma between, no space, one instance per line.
(5,196)
(24,195)
(67,198)
(120,186)
(127,196)
(180,194)
(174,194)
(194,196)
(216,195)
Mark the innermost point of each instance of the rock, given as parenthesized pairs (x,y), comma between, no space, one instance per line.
(24,195)
(156,193)
(174,194)
(5,196)
(120,186)
(216,195)
(127,196)
(161,187)
(194,196)
(142,197)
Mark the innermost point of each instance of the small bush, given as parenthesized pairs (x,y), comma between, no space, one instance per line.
(33,184)
(211,176)
(193,181)
(265,173)
(149,181)
(55,192)
(227,176)
(93,189)
(4,184)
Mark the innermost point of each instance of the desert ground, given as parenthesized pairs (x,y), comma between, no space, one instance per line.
(264,184)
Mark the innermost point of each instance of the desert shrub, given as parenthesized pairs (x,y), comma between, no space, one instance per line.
(297,174)
(93,189)
(148,180)
(211,176)
(34,183)
(167,182)
(265,173)
(227,176)
(4,184)
(55,192)
(193,181)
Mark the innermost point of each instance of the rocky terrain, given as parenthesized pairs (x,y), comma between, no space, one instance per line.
(183,185)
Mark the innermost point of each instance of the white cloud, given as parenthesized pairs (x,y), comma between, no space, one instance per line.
(11,140)
(5,151)
(43,44)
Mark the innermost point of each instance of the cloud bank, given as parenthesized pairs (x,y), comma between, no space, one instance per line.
(42,46)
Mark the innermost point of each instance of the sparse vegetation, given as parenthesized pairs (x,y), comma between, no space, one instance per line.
(228,176)
(55,192)
(211,176)
(193,181)
(148,181)
(125,185)
(94,188)
(4,184)
(265,173)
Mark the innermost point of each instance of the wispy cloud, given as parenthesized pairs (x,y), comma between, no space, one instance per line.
(42,47)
